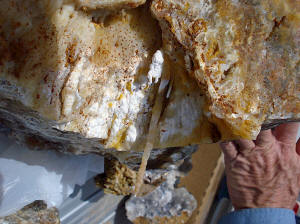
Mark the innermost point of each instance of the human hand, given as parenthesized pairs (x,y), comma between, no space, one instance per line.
(264,172)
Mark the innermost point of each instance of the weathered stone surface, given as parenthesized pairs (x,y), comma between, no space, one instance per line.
(84,78)
(159,158)
(165,204)
(244,54)
(93,74)
(34,213)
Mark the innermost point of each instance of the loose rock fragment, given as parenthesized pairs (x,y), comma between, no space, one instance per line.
(34,213)
(165,204)
(118,178)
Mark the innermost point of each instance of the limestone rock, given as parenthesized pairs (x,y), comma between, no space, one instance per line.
(159,158)
(81,77)
(244,54)
(34,213)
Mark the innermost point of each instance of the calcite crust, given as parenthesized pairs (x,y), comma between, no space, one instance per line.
(85,74)
(88,73)
(245,56)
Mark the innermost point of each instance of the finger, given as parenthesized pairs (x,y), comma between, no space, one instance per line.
(287,132)
(229,150)
(244,145)
(298,147)
(264,138)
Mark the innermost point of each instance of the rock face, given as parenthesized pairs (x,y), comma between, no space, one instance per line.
(34,213)
(82,76)
(77,73)
(244,54)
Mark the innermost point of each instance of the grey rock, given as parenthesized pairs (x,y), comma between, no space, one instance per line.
(34,213)
(166,201)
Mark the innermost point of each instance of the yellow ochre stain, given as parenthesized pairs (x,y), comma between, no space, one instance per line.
(119,139)
(121,96)
(129,87)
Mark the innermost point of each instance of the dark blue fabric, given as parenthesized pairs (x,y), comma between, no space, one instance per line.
(260,216)
(223,190)
(297,220)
